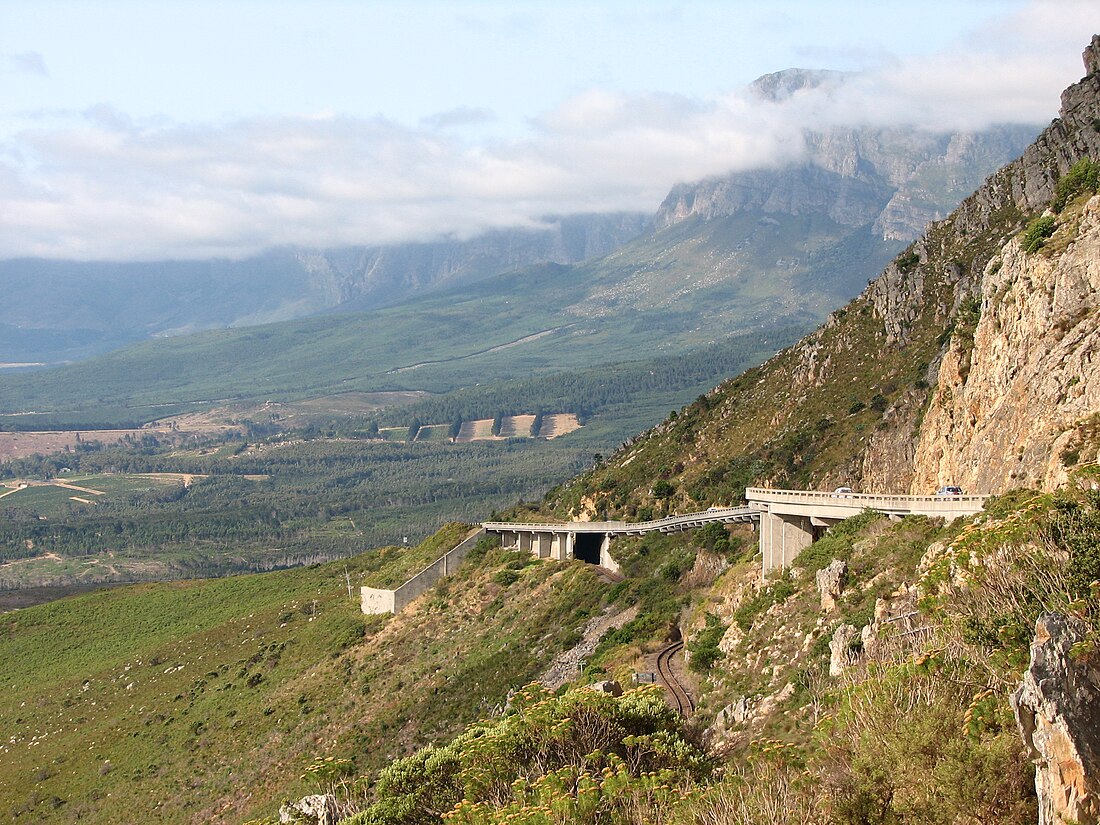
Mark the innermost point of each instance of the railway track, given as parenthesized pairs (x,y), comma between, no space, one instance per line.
(680,698)
(609,576)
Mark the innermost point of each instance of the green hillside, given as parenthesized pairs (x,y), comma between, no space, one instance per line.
(207,700)
(691,284)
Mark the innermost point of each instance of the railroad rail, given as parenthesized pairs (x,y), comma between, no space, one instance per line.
(680,697)
(609,575)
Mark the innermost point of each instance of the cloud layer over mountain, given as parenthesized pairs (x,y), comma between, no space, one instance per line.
(109,186)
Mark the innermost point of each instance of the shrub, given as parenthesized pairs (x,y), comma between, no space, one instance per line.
(1037,232)
(907,260)
(704,647)
(506,577)
(663,489)
(776,592)
(588,756)
(1083,176)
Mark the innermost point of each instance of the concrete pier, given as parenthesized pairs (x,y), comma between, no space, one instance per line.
(791,520)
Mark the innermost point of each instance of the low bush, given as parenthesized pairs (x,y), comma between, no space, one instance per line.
(704,647)
(1037,232)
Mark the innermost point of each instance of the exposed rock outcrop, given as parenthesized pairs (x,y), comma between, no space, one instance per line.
(1011,394)
(896,180)
(1058,711)
(318,809)
(840,649)
(830,583)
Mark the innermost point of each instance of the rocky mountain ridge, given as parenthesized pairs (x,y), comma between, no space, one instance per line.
(895,180)
(970,360)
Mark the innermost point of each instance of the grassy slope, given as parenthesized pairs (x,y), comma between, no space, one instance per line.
(206,700)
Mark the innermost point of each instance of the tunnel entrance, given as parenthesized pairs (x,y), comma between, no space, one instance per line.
(586,547)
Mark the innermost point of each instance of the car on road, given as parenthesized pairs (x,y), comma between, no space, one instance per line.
(949,490)
(842,491)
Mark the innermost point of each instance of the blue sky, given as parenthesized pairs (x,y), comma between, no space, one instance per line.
(183,128)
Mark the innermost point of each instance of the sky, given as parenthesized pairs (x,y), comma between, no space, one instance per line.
(185,129)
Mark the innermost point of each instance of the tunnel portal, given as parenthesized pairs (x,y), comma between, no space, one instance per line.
(586,547)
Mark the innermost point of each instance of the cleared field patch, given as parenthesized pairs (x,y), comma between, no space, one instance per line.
(288,414)
(434,433)
(54,498)
(516,426)
(558,424)
(394,433)
(26,444)
(479,430)
(187,479)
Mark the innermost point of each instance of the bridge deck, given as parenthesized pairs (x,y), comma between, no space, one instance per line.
(842,505)
(671,524)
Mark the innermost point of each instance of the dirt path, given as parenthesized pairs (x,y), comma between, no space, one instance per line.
(68,486)
(47,556)
(187,478)
(564,667)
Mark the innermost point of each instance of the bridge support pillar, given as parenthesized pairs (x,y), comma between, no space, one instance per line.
(561,546)
(782,537)
(605,555)
(543,543)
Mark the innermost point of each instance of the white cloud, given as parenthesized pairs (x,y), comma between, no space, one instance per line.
(31,63)
(106,186)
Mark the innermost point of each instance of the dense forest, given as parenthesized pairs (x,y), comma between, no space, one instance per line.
(590,391)
(279,504)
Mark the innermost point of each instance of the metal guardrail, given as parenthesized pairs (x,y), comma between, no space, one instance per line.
(668,524)
(685,521)
(882,500)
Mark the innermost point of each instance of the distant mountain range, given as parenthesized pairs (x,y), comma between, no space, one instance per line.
(745,252)
(69,310)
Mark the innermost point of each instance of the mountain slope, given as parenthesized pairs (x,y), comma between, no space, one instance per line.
(65,310)
(696,281)
(207,701)
(970,359)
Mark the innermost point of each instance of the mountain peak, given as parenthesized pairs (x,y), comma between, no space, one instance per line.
(1091,56)
(779,86)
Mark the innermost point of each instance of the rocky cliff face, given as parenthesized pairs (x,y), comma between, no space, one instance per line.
(1058,713)
(1016,386)
(1012,401)
(897,180)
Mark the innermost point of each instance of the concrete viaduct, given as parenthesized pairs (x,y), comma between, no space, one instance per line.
(788,521)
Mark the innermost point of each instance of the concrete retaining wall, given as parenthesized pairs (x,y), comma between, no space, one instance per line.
(376,600)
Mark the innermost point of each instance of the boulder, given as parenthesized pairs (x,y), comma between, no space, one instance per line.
(840,651)
(1057,709)
(609,686)
(318,809)
(830,583)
